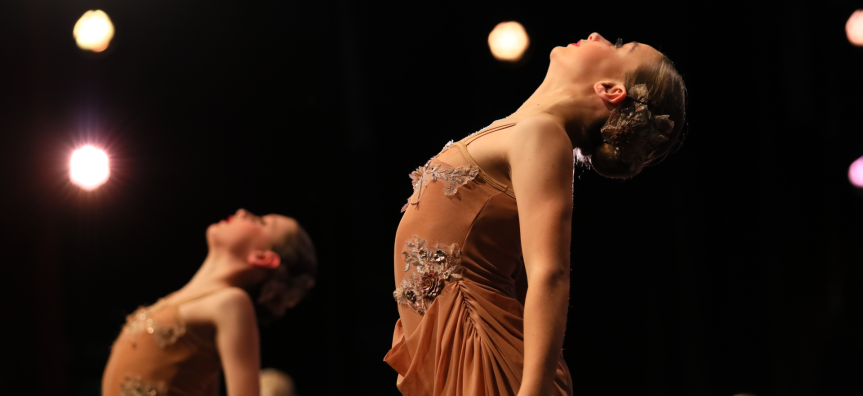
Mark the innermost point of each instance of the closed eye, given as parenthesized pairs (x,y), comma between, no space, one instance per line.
(619,43)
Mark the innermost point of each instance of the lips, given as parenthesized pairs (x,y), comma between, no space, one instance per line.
(577,44)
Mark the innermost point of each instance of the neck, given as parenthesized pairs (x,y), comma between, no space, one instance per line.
(221,270)
(573,107)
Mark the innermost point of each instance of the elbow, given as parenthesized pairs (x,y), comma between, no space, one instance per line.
(557,278)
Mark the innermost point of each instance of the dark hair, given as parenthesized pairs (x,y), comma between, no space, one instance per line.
(287,284)
(666,95)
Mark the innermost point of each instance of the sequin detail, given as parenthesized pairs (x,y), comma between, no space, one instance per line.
(436,267)
(455,177)
(134,386)
(141,321)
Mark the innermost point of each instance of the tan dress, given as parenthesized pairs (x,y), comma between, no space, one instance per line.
(460,283)
(157,354)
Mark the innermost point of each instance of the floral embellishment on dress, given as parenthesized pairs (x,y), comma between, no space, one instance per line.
(435,268)
(455,177)
(141,322)
(133,386)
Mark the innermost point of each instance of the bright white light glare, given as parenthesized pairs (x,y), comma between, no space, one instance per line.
(854,28)
(855,173)
(89,167)
(508,41)
(94,31)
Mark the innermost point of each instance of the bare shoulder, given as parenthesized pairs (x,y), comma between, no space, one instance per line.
(232,308)
(541,166)
(231,300)
(226,304)
(540,134)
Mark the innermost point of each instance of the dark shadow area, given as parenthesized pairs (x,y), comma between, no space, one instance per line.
(730,268)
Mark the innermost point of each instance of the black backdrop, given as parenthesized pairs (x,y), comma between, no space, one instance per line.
(732,267)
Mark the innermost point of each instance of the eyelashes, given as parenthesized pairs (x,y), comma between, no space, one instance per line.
(619,43)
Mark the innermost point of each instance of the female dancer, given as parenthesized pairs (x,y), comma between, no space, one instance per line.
(179,345)
(465,251)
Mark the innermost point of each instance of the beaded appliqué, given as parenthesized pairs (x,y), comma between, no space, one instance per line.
(455,177)
(141,322)
(436,267)
(133,386)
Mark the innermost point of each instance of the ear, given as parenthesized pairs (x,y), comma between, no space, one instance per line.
(611,92)
(264,259)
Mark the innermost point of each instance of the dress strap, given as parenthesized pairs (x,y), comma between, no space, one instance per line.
(484,132)
(189,333)
(462,145)
(194,297)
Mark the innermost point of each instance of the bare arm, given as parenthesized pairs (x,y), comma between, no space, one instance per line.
(237,339)
(541,162)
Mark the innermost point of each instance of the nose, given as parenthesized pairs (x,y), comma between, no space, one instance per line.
(597,37)
(241,213)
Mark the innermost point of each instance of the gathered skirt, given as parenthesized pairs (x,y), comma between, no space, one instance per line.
(469,342)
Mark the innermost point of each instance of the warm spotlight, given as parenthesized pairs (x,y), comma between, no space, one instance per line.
(89,167)
(508,41)
(855,173)
(94,31)
(276,383)
(854,28)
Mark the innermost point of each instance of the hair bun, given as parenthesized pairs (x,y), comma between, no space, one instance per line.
(633,130)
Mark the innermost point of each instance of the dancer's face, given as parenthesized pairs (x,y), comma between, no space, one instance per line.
(244,232)
(596,59)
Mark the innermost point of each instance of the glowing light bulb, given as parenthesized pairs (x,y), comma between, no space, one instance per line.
(855,173)
(854,28)
(508,41)
(89,168)
(94,31)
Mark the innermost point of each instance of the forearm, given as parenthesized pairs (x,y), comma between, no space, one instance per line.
(545,311)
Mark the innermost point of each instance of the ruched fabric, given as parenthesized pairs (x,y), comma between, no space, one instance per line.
(470,339)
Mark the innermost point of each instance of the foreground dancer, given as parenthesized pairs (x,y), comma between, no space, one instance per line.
(179,345)
(482,279)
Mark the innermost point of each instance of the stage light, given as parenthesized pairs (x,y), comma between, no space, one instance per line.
(508,41)
(854,28)
(855,173)
(276,383)
(89,167)
(94,31)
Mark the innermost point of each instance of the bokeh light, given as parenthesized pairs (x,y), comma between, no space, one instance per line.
(854,28)
(89,167)
(508,41)
(94,31)
(855,173)
(276,383)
